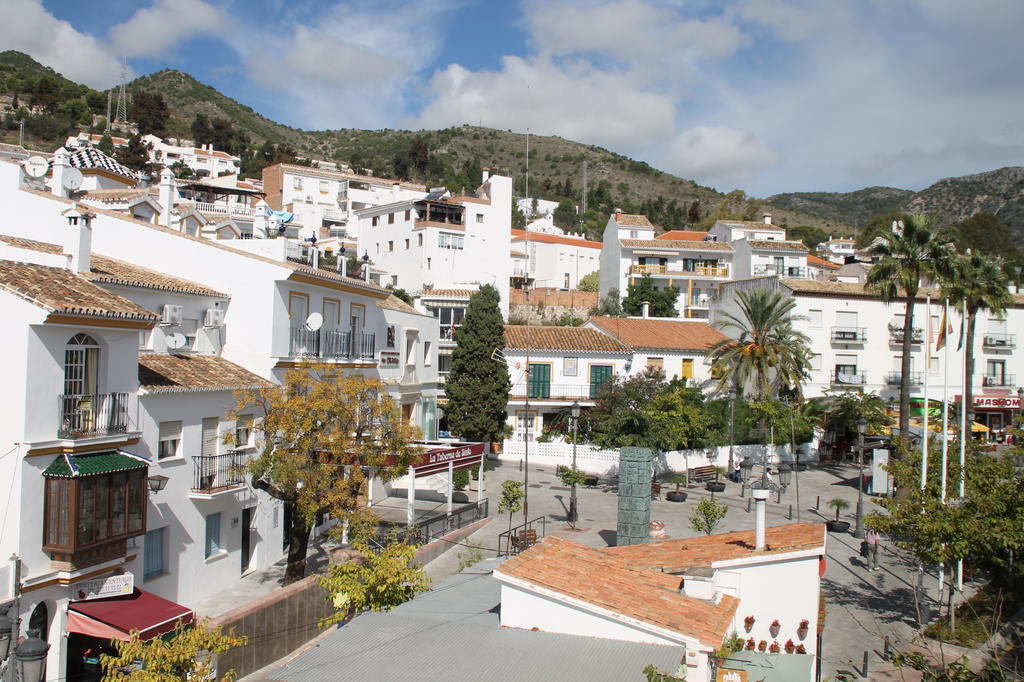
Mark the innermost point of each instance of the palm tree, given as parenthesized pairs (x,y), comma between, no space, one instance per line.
(980,282)
(767,354)
(911,253)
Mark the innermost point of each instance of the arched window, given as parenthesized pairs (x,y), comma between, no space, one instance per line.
(81,365)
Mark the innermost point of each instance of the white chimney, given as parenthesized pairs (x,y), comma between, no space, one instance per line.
(260,224)
(645,307)
(166,195)
(760,495)
(486,175)
(78,240)
(767,218)
(395,191)
(60,164)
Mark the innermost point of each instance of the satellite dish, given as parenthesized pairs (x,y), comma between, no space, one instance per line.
(176,341)
(72,179)
(36,166)
(314,321)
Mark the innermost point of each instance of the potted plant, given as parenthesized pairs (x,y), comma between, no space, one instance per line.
(460,480)
(802,631)
(748,623)
(751,644)
(762,645)
(774,628)
(789,646)
(716,486)
(801,649)
(677,495)
(774,648)
(835,525)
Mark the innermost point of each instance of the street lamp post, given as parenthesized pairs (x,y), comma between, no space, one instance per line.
(1020,405)
(785,476)
(574,412)
(862,426)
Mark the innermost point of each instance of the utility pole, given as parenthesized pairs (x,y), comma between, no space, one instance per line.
(584,186)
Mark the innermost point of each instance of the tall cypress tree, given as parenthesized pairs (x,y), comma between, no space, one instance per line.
(478,385)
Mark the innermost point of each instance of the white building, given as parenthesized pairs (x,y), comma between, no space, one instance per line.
(556,260)
(695,268)
(755,257)
(690,593)
(838,249)
(204,160)
(544,207)
(856,344)
(123,372)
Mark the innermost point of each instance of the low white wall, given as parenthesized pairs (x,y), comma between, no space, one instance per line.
(593,459)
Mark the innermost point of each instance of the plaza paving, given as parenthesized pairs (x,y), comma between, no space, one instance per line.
(862,608)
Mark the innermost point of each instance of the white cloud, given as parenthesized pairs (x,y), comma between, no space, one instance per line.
(718,155)
(156,29)
(575,101)
(28,27)
(630,30)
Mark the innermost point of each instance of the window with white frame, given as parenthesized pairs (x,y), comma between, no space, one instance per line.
(479,217)
(427,347)
(446,240)
(243,430)
(212,545)
(816,362)
(297,183)
(814,318)
(170,440)
(155,553)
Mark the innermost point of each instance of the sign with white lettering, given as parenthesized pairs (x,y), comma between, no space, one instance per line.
(725,675)
(997,402)
(389,359)
(462,456)
(101,588)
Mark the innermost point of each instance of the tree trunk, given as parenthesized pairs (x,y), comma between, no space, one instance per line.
(298,544)
(972,317)
(908,338)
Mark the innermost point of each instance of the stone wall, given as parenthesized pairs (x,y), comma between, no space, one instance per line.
(544,306)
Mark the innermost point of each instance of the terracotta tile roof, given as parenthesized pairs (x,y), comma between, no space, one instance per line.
(113,271)
(370,179)
(561,338)
(683,235)
(58,290)
(519,236)
(606,581)
(814,287)
(821,262)
(572,298)
(632,220)
(392,302)
(662,334)
(777,245)
(675,556)
(676,244)
(121,194)
(517,254)
(448,293)
(173,373)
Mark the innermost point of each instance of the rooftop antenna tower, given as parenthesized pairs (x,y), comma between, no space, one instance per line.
(110,94)
(122,94)
(584,185)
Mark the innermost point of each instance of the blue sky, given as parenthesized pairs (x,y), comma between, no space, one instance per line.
(762,95)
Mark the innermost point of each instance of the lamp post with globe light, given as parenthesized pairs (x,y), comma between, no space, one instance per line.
(862,426)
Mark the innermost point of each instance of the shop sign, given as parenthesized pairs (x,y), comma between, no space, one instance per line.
(726,675)
(997,402)
(389,359)
(459,457)
(101,588)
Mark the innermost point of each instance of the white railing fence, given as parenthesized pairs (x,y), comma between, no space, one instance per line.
(594,460)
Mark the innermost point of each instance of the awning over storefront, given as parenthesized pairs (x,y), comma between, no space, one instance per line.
(116,617)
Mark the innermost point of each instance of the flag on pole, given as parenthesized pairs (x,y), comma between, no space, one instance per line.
(963,320)
(945,329)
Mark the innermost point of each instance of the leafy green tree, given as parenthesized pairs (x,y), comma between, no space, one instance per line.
(75,110)
(843,409)
(984,232)
(511,499)
(662,301)
(44,94)
(572,477)
(977,282)
(809,235)
(693,213)
(565,214)
(106,145)
(620,416)
(478,384)
(135,154)
(590,282)
(320,429)
(184,654)
(767,354)
(182,171)
(609,306)
(518,218)
(378,579)
(150,113)
(678,421)
(706,516)
(905,257)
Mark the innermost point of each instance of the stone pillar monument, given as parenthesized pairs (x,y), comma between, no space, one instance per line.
(634,496)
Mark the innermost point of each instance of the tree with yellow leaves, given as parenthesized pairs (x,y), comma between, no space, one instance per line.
(185,655)
(320,430)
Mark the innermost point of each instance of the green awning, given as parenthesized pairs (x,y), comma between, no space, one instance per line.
(92,464)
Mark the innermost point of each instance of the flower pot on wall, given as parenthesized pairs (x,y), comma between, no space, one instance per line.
(676,496)
(715,486)
(837,526)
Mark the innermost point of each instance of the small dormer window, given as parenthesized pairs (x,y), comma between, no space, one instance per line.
(297,183)
(634,234)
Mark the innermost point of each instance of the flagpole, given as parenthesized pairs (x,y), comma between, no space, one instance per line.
(945,422)
(964,433)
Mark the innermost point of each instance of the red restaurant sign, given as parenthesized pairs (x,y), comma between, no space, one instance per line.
(993,402)
(434,461)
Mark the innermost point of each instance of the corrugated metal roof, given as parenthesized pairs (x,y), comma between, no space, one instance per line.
(453,633)
(92,464)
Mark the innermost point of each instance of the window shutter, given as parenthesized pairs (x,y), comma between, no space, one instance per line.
(209,448)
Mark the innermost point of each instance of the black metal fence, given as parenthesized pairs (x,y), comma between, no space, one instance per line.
(217,472)
(97,414)
(433,528)
(515,540)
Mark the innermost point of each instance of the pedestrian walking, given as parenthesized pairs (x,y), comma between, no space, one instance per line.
(873,540)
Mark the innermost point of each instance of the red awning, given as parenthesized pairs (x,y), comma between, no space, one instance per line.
(114,618)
